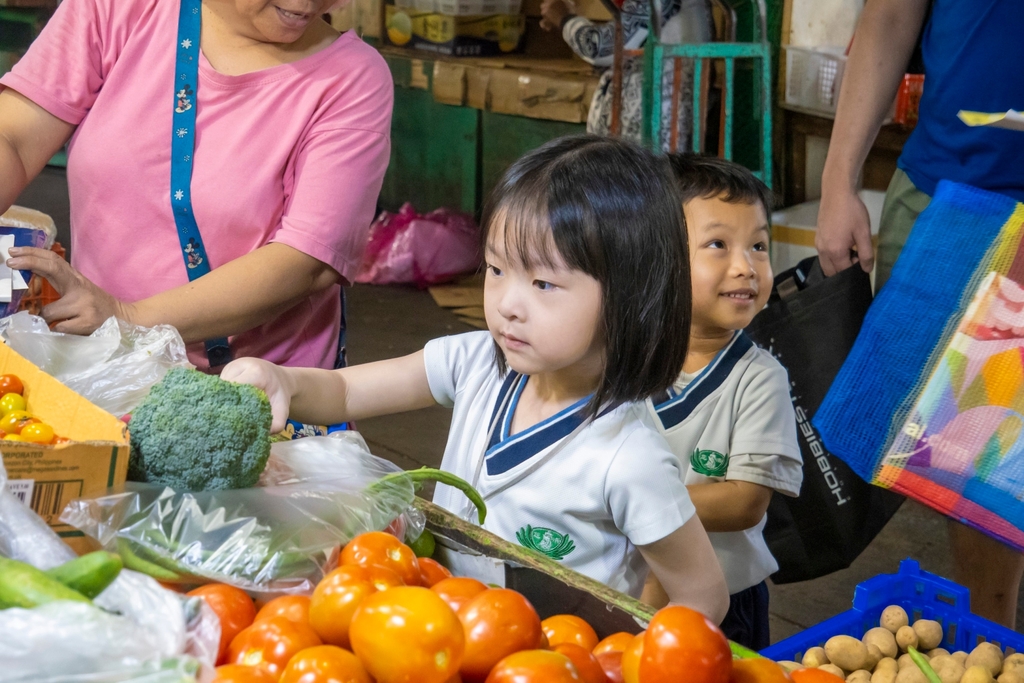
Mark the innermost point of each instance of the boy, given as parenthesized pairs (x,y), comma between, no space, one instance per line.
(729,415)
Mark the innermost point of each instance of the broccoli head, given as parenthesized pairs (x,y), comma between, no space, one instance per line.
(196,432)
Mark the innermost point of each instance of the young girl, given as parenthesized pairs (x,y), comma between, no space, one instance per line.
(587,301)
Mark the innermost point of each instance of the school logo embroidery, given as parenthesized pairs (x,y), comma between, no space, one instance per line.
(709,463)
(547,541)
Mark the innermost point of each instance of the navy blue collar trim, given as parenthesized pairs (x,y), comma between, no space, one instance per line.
(676,409)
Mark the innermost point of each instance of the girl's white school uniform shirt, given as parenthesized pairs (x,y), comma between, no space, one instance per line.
(734,420)
(585,493)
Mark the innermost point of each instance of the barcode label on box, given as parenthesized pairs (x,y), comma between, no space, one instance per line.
(22,489)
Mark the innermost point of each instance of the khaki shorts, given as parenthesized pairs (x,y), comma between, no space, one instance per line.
(903,203)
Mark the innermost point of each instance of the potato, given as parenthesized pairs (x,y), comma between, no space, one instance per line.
(988,656)
(885,676)
(906,638)
(977,674)
(906,662)
(887,664)
(788,666)
(874,657)
(846,652)
(1014,663)
(833,669)
(883,639)
(911,674)
(1010,677)
(948,669)
(814,658)
(859,676)
(959,656)
(929,634)
(937,651)
(893,617)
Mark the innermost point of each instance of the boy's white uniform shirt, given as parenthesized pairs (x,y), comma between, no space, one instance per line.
(734,420)
(585,493)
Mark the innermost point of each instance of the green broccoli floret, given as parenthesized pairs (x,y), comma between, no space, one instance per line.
(196,432)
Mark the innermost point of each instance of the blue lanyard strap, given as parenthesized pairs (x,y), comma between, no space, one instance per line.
(186,82)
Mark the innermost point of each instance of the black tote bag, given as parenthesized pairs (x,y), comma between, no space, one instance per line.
(809,325)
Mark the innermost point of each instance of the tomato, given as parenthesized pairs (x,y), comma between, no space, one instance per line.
(616,642)
(813,676)
(10,384)
(758,671)
(407,634)
(37,432)
(611,662)
(682,644)
(237,673)
(232,606)
(271,643)
(11,402)
(12,422)
(458,590)
(534,666)
(567,628)
(292,607)
(432,572)
(631,659)
(498,622)
(325,664)
(12,437)
(383,550)
(586,664)
(335,601)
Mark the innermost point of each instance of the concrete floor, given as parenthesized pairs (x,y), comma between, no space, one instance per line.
(389,321)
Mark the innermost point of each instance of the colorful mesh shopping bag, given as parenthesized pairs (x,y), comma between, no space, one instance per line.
(930,402)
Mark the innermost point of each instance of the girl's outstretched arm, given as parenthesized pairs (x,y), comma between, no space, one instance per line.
(317,396)
(686,566)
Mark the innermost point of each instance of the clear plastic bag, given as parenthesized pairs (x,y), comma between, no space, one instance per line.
(282,537)
(424,250)
(114,367)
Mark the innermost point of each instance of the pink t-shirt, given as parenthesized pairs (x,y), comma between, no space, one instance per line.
(293,154)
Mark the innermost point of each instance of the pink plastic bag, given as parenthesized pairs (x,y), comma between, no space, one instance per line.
(407,247)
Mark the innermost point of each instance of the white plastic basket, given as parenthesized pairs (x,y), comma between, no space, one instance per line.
(813,77)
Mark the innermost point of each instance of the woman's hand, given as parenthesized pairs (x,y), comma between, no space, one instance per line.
(274,381)
(82,306)
(553,13)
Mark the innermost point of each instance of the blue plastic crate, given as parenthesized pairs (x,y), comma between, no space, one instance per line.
(923,595)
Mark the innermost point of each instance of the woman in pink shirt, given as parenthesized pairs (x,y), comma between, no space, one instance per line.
(283,160)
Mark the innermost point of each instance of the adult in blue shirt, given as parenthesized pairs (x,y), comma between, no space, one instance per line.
(972,51)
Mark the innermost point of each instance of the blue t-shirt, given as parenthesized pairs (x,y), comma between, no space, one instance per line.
(974,59)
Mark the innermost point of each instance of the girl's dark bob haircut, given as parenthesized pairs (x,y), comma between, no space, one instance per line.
(612,210)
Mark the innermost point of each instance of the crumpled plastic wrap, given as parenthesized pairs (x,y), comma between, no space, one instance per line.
(316,494)
(114,367)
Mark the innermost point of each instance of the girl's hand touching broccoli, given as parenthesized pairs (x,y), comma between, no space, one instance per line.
(274,381)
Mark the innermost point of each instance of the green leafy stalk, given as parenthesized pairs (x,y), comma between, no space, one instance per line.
(923,665)
(740,652)
(431,474)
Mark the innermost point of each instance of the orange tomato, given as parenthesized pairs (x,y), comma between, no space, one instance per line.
(611,662)
(37,432)
(432,572)
(292,607)
(407,634)
(586,664)
(568,628)
(237,673)
(10,384)
(758,671)
(271,643)
(813,676)
(534,666)
(458,591)
(682,644)
(335,601)
(616,642)
(377,548)
(497,622)
(232,606)
(325,664)
(631,659)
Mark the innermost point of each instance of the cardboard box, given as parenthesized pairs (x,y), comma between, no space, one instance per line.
(49,477)
(462,36)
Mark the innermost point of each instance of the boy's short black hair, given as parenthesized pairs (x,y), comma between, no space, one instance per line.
(610,209)
(707,177)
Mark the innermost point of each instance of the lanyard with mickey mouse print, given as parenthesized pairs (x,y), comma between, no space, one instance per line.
(186,82)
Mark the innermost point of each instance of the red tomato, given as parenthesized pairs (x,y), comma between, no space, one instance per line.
(458,591)
(497,622)
(377,548)
(586,664)
(292,607)
(616,642)
(335,601)
(432,572)
(232,606)
(682,644)
(567,628)
(813,676)
(631,659)
(325,664)
(236,673)
(407,635)
(534,666)
(271,643)
(11,384)
(611,662)
(758,671)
